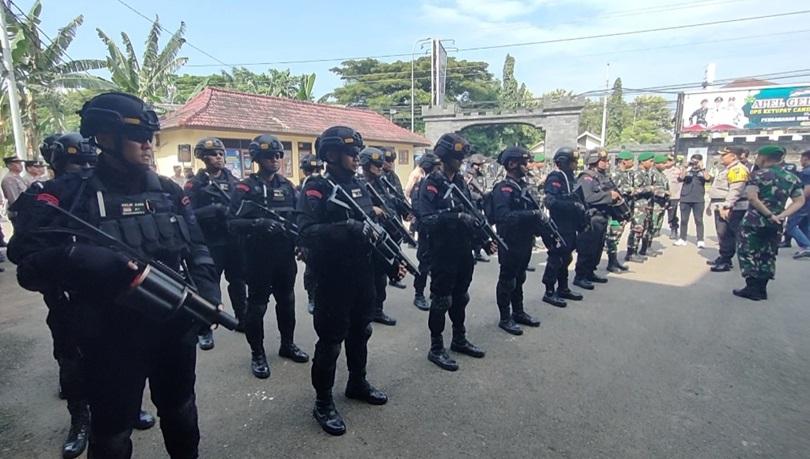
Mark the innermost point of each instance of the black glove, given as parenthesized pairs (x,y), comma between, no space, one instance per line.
(358,229)
(468,220)
(97,270)
(37,272)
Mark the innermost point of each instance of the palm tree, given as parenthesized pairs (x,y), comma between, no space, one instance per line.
(44,72)
(150,78)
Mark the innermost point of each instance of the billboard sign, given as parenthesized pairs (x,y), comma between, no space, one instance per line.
(438,73)
(233,161)
(760,108)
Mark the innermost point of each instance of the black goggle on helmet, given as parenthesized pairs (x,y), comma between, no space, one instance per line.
(265,146)
(72,148)
(341,139)
(46,145)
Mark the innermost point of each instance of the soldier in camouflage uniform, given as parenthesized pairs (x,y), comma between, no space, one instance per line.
(658,204)
(476,180)
(768,190)
(622,176)
(642,199)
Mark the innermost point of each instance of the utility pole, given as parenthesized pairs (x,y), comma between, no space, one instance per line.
(604,106)
(13,100)
(413,87)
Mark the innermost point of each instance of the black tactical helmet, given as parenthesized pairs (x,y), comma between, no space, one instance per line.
(390,154)
(45,147)
(264,144)
(310,163)
(207,146)
(339,138)
(428,161)
(71,148)
(371,155)
(564,155)
(594,156)
(513,153)
(118,113)
(452,145)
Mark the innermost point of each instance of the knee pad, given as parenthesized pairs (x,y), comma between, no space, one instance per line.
(440,303)
(462,300)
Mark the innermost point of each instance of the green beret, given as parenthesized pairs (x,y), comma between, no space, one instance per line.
(647,155)
(540,157)
(625,155)
(661,159)
(775,151)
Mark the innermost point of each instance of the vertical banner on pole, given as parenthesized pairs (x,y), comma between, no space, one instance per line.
(438,73)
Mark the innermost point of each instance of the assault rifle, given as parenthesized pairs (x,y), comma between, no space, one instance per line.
(391,216)
(546,226)
(271,219)
(394,191)
(481,222)
(381,242)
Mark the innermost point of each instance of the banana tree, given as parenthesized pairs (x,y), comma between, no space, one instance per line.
(151,77)
(45,73)
(306,84)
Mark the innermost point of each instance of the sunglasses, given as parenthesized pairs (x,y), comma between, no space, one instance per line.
(215,153)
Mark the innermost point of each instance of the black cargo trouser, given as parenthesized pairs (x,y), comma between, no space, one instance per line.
(590,245)
(345,305)
(512,275)
(270,275)
(60,321)
(556,272)
(450,278)
(116,374)
(228,258)
(423,256)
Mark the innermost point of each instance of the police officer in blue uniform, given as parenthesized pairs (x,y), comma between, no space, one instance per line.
(210,193)
(269,250)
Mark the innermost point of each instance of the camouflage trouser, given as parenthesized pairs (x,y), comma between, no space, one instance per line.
(638,224)
(614,233)
(756,250)
(656,222)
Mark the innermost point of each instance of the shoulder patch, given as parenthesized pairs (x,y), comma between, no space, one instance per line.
(185,201)
(506,189)
(556,184)
(313,193)
(587,178)
(432,189)
(48,199)
(242,187)
(738,174)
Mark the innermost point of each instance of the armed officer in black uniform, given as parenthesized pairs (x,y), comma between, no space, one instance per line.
(452,233)
(568,212)
(120,345)
(340,256)
(390,173)
(428,163)
(371,160)
(310,165)
(517,223)
(598,192)
(210,193)
(260,205)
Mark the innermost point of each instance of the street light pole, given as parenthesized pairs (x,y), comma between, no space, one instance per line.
(413,87)
(604,106)
(13,100)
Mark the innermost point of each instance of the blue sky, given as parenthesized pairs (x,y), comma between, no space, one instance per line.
(271,31)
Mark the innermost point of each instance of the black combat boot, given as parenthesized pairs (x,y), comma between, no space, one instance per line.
(566,293)
(328,417)
(145,420)
(290,351)
(644,246)
(76,441)
(358,388)
(259,365)
(438,355)
(763,288)
(420,302)
(634,257)
(520,316)
(382,318)
(206,340)
(583,282)
(507,323)
(593,277)
(751,290)
(552,298)
(722,266)
(462,346)
(397,284)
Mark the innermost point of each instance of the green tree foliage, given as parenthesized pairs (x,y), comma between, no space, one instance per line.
(150,77)
(280,83)
(513,94)
(46,78)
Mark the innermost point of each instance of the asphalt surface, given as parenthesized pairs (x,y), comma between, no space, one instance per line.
(659,362)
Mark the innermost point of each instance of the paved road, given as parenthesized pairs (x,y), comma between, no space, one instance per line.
(661,362)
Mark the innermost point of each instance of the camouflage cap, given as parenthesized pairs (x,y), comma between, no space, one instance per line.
(625,155)
(646,156)
(773,151)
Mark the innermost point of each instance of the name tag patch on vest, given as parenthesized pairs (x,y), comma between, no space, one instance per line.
(134,208)
(224,187)
(278,195)
(357,193)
